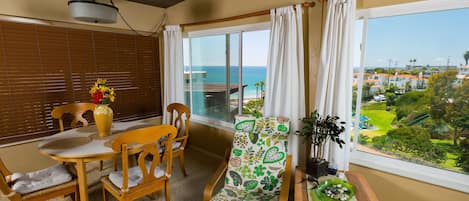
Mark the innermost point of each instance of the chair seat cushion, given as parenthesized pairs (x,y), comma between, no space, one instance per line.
(41,179)
(135,176)
(241,195)
(176,145)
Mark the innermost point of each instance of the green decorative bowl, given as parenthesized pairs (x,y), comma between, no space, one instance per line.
(322,196)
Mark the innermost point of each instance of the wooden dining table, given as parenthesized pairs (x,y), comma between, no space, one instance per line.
(83,145)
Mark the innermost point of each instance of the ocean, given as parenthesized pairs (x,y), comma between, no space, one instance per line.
(251,75)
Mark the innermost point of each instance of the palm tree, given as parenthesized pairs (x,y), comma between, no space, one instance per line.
(261,84)
(466,56)
(257,84)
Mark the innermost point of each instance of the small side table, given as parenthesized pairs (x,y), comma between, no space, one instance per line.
(363,193)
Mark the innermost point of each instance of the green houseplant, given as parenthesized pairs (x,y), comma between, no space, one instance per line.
(317,131)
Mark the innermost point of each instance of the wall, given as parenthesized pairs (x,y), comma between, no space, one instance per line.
(140,16)
(378,3)
(389,187)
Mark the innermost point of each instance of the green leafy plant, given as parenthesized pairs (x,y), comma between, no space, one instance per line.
(318,130)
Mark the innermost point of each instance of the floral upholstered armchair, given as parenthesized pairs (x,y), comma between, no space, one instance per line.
(257,167)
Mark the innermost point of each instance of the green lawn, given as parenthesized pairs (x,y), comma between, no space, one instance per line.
(378,117)
(382,121)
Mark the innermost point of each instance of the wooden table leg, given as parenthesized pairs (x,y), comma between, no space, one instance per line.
(82,184)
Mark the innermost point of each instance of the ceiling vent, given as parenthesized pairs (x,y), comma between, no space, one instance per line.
(92,11)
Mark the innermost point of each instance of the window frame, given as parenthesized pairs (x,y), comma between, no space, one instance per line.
(240,29)
(441,177)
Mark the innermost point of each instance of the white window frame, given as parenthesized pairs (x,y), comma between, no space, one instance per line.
(436,176)
(223,31)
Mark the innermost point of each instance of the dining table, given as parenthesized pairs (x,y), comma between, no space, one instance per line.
(82,145)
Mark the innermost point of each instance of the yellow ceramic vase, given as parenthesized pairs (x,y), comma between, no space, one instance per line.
(103,119)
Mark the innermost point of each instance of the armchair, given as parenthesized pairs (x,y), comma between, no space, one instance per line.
(257,167)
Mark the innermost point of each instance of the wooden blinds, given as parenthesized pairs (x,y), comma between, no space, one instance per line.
(42,67)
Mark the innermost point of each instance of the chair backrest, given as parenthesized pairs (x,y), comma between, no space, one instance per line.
(181,121)
(144,140)
(258,156)
(4,173)
(76,109)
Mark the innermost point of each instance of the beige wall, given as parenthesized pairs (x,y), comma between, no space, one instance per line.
(141,17)
(379,3)
(389,187)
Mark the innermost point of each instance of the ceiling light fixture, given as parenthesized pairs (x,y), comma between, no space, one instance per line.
(92,11)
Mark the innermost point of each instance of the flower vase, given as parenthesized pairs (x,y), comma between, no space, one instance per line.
(103,118)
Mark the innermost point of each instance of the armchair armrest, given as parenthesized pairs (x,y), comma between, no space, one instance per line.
(285,190)
(221,170)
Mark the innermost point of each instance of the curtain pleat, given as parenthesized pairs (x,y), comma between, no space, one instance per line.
(173,68)
(285,79)
(334,86)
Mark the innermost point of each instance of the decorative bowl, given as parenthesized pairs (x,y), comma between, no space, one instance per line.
(329,185)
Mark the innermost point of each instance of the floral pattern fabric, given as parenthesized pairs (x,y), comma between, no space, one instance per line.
(257,159)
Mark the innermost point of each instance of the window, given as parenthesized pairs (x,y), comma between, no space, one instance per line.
(224,70)
(411,89)
(42,67)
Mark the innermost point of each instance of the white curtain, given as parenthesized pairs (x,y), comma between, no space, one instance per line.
(173,68)
(334,86)
(284,91)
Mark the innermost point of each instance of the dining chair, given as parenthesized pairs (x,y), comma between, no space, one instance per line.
(179,117)
(76,109)
(39,185)
(148,176)
(257,167)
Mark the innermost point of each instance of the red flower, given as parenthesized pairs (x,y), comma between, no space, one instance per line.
(97,97)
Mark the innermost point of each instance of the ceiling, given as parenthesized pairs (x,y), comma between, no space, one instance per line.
(159,3)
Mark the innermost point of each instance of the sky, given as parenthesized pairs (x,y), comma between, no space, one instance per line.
(210,50)
(430,38)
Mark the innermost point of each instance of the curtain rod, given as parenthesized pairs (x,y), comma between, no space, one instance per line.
(253,14)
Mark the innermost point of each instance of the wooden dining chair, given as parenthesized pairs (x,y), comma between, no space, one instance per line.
(76,109)
(40,185)
(147,177)
(179,117)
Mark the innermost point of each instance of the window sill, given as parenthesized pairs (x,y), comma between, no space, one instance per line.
(439,177)
(212,123)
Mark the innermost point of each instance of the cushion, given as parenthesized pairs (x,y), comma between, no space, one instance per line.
(258,156)
(227,194)
(176,145)
(135,175)
(41,179)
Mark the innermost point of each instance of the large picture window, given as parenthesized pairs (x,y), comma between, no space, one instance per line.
(225,71)
(411,88)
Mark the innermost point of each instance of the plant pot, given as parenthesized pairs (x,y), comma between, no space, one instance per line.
(317,168)
(103,118)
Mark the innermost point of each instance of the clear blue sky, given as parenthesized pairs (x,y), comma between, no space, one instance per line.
(210,50)
(428,37)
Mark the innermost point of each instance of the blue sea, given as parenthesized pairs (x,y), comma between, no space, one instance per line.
(217,74)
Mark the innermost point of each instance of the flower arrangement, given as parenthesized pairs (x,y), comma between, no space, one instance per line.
(101,93)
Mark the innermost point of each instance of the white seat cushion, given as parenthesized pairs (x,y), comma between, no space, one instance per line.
(135,175)
(41,179)
(175,146)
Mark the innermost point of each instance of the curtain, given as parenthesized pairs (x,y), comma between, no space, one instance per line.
(173,68)
(284,91)
(334,86)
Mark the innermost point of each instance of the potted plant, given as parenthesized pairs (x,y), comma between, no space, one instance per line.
(317,131)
